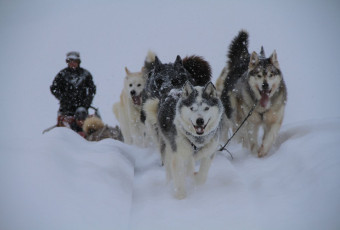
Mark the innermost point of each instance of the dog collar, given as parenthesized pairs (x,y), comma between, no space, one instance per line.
(194,147)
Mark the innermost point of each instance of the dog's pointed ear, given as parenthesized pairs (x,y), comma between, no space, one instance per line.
(178,61)
(158,64)
(187,89)
(254,60)
(273,59)
(210,90)
(262,53)
(127,71)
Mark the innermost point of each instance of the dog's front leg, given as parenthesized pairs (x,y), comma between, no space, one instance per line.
(178,171)
(253,136)
(201,176)
(269,136)
(273,121)
(250,134)
(205,155)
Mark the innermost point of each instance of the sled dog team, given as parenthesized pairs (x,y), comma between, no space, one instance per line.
(176,107)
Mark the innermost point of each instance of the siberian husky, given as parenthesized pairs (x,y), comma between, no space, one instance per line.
(253,80)
(187,119)
(163,78)
(128,109)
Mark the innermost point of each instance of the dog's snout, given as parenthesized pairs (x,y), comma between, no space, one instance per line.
(200,121)
(133,93)
(265,85)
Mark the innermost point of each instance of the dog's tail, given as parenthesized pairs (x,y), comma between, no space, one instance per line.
(149,61)
(199,70)
(237,65)
(92,124)
(238,56)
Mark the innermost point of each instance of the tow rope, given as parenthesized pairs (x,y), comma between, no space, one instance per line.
(249,114)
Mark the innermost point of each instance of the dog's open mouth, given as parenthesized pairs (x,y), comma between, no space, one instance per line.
(137,100)
(264,97)
(200,128)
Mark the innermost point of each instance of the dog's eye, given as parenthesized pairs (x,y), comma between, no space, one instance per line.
(192,108)
(130,85)
(206,108)
(259,76)
(138,85)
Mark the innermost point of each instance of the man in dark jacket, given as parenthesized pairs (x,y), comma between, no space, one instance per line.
(73,87)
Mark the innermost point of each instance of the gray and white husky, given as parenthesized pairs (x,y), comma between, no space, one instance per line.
(188,121)
(251,80)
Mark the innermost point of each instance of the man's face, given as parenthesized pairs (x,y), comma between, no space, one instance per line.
(73,63)
(80,123)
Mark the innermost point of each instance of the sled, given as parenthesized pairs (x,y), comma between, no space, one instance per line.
(69,121)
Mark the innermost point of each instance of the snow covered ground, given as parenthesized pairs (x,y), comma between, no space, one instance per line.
(60,181)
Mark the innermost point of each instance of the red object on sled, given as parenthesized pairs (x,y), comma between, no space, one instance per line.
(69,122)
(72,123)
(65,121)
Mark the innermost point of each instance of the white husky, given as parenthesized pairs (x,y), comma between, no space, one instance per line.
(128,109)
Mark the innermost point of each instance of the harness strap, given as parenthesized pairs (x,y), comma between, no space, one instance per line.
(249,114)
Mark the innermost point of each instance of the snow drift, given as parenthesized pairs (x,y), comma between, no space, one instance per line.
(65,182)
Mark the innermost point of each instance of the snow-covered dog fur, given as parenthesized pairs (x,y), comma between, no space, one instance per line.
(253,79)
(163,78)
(128,109)
(188,121)
(185,117)
(96,130)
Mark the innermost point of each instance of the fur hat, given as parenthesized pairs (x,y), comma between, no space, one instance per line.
(73,55)
(92,124)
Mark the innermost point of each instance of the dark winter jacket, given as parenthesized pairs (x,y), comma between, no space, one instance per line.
(73,88)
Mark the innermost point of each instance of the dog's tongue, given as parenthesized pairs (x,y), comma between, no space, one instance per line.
(264,98)
(199,130)
(136,100)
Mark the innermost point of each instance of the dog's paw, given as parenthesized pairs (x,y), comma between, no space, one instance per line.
(254,148)
(262,152)
(199,179)
(180,194)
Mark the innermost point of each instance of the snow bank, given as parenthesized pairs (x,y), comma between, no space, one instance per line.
(296,187)
(61,181)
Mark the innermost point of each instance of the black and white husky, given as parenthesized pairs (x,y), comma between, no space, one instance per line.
(187,119)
